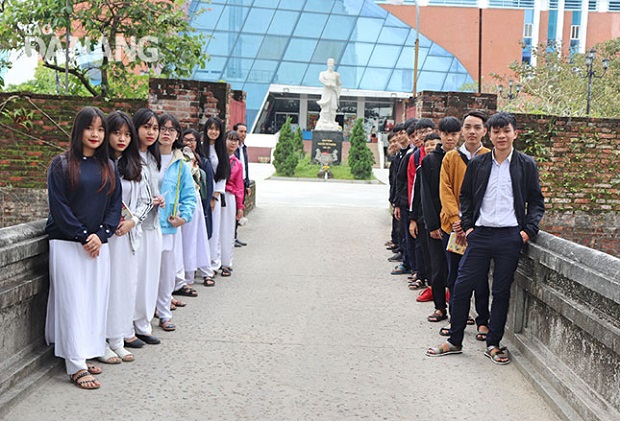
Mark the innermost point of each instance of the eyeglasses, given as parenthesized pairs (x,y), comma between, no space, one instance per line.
(190,140)
(170,130)
(234,139)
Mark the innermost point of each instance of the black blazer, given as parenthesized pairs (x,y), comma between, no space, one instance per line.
(529,203)
(246,181)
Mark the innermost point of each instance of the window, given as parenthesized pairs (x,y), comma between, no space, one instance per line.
(574,32)
(527,30)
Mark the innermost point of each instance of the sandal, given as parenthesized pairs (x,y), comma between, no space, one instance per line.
(482,336)
(444,331)
(178,303)
(109,357)
(226,272)
(172,307)
(208,281)
(400,270)
(445,348)
(497,355)
(417,285)
(471,321)
(124,355)
(186,291)
(93,369)
(167,325)
(437,316)
(84,380)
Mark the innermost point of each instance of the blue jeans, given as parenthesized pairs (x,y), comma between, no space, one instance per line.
(503,245)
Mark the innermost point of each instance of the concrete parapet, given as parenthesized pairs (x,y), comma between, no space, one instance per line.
(24,357)
(564,325)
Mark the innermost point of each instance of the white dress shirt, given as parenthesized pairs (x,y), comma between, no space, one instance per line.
(497,209)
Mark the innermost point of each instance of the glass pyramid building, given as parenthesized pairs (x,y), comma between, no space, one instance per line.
(255,43)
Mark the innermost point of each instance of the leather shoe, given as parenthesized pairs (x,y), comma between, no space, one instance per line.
(136,343)
(241,243)
(149,339)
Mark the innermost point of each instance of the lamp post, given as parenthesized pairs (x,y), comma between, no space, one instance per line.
(591,73)
(510,95)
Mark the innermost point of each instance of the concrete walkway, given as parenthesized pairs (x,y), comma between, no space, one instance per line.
(311,326)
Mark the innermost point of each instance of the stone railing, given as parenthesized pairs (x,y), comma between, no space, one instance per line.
(24,357)
(564,327)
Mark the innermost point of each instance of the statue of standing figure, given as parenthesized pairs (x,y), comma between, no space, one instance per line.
(329,98)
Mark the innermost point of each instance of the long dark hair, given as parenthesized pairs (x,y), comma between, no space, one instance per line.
(194,133)
(140,118)
(130,163)
(163,119)
(222,171)
(84,118)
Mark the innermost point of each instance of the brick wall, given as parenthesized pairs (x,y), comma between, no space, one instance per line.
(34,128)
(436,105)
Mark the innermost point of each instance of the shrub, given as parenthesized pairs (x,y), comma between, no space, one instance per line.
(361,158)
(286,156)
(299,143)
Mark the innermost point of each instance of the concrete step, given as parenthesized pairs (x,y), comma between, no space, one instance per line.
(21,375)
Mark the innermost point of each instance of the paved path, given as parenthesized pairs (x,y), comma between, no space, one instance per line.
(309,327)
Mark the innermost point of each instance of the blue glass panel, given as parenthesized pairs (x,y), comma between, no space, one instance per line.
(339,27)
(576,19)
(373,10)
(367,29)
(264,3)
(292,4)
(529,16)
(552,25)
(385,55)
(237,69)
(401,81)
(247,46)
(357,53)
(262,71)
(310,25)
(457,67)
(440,64)
(209,16)
(322,6)
(240,2)
(256,93)
(437,50)
(351,76)
(221,43)
(392,20)
(312,74)
(430,81)
(258,21)
(290,73)
(348,7)
(283,23)
(405,60)
(215,66)
(391,35)
(328,49)
(300,49)
(454,82)
(375,79)
(232,18)
(273,47)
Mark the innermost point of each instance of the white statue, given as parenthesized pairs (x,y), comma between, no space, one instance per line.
(329,98)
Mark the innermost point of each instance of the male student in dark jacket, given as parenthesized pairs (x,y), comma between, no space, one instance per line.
(449,131)
(242,154)
(400,139)
(501,208)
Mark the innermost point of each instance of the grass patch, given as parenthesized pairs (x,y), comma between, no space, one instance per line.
(307,170)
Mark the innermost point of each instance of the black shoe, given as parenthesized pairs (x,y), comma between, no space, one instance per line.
(240,243)
(237,244)
(149,339)
(395,258)
(136,343)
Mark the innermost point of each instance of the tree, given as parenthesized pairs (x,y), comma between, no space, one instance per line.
(104,40)
(286,156)
(361,158)
(557,85)
(299,143)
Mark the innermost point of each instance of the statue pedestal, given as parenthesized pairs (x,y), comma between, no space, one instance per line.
(327,147)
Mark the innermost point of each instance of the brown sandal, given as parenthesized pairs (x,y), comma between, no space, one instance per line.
(83,379)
